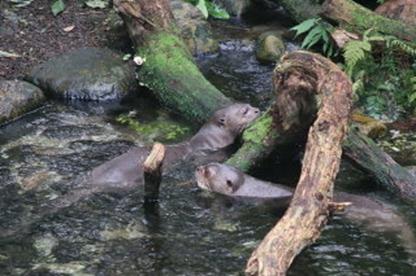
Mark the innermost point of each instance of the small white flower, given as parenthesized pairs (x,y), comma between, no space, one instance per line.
(139,60)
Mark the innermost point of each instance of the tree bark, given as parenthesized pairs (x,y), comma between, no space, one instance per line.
(390,175)
(168,68)
(355,17)
(152,172)
(300,75)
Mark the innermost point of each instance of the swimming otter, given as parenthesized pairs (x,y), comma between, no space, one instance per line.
(218,133)
(373,214)
(125,172)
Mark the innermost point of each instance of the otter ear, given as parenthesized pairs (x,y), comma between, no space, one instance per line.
(209,172)
(221,121)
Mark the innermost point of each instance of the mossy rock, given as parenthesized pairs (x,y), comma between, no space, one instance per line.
(89,74)
(194,28)
(17,98)
(270,47)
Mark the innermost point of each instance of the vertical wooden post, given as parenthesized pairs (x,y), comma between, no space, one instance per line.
(152,170)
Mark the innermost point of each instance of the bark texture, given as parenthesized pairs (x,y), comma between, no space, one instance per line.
(152,170)
(299,76)
(168,68)
(390,175)
(355,17)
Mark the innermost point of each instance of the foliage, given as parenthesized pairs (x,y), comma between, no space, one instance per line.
(317,31)
(209,8)
(383,74)
(57,7)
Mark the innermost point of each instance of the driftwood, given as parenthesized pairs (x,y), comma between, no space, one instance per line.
(299,76)
(152,170)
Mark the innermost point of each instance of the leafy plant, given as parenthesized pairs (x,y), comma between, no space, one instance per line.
(209,8)
(317,31)
(57,7)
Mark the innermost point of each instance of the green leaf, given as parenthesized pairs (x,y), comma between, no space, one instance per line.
(304,26)
(313,37)
(202,6)
(216,11)
(97,4)
(57,7)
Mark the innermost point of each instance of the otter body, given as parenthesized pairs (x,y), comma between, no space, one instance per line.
(372,214)
(218,133)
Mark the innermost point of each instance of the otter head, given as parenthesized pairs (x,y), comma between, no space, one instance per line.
(219,178)
(235,117)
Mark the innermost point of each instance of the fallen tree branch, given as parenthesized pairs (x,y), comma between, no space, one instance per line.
(353,16)
(299,74)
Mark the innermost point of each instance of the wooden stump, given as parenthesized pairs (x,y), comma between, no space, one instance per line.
(152,168)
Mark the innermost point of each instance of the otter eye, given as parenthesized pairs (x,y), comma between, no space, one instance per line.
(222,121)
(229,183)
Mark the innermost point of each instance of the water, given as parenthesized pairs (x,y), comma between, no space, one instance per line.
(191,232)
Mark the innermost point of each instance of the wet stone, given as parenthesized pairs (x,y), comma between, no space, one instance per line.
(270,47)
(88,74)
(17,98)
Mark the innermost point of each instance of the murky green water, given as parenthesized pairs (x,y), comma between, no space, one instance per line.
(190,233)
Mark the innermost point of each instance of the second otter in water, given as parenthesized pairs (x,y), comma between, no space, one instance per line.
(373,214)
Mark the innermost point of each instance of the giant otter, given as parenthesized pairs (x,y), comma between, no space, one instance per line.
(124,172)
(373,214)
(218,133)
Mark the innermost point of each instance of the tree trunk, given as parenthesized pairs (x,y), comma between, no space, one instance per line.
(299,75)
(390,175)
(168,68)
(353,16)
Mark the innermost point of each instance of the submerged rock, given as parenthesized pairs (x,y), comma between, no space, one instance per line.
(85,74)
(18,97)
(270,47)
(195,30)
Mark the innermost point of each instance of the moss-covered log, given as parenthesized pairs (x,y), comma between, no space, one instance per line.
(390,175)
(299,75)
(168,68)
(355,17)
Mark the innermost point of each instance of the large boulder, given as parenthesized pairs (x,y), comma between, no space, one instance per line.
(85,74)
(404,10)
(270,47)
(18,97)
(195,30)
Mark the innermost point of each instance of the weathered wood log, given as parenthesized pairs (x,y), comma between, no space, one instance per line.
(390,175)
(152,171)
(300,74)
(353,16)
(168,68)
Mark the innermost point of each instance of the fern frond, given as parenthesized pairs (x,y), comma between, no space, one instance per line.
(355,51)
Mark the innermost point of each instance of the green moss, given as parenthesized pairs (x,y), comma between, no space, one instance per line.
(172,75)
(258,131)
(162,129)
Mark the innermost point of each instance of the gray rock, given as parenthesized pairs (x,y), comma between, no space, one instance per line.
(85,74)
(270,47)
(195,30)
(18,97)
